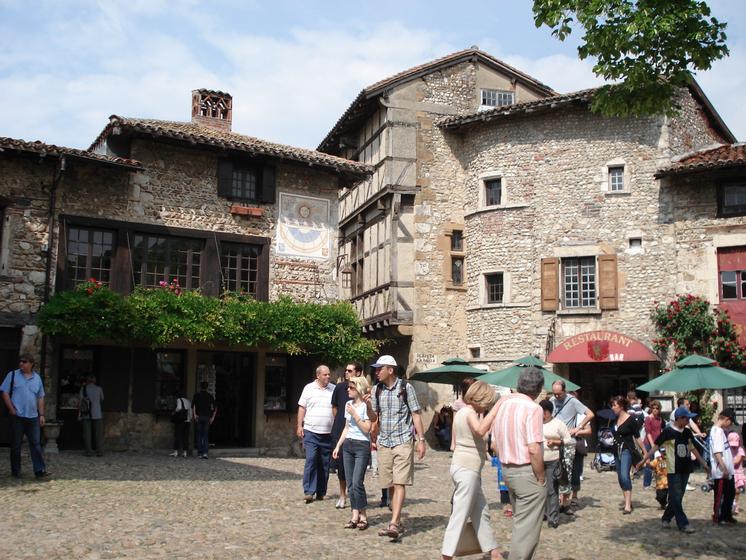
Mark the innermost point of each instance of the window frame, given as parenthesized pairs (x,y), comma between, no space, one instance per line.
(171,248)
(241,168)
(616,172)
(456,258)
(72,281)
(498,94)
(225,270)
(582,302)
(738,283)
(738,210)
(487,287)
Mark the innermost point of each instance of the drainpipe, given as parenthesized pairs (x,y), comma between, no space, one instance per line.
(50,249)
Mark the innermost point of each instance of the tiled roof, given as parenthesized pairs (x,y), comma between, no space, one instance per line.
(196,134)
(56,151)
(720,157)
(582,96)
(411,73)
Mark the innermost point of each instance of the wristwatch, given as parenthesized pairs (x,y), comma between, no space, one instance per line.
(420,439)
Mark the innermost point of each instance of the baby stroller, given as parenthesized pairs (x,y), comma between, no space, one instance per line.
(604,458)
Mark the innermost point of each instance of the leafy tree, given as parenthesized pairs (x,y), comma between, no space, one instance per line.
(646,47)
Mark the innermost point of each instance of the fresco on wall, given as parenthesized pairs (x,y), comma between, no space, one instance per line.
(303,227)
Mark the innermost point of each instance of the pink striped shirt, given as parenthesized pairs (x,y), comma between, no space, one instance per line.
(519,421)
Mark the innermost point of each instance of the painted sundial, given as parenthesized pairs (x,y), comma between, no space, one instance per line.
(303,228)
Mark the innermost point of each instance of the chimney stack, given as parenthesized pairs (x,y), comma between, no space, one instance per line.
(213,109)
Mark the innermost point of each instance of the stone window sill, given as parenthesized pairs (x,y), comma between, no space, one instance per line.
(580,311)
(510,206)
(618,193)
(455,287)
(506,305)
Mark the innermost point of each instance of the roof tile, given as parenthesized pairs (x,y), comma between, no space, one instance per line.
(719,157)
(43,149)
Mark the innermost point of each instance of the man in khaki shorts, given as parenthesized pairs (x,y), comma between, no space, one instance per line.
(395,402)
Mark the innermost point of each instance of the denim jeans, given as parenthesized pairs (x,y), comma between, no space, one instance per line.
(316,470)
(203,434)
(355,456)
(181,436)
(30,427)
(647,472)
(623,467)
(675,508)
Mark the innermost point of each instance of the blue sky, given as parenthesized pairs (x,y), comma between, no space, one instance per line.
(292,67)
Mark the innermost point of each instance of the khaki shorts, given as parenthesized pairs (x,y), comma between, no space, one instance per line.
(396,465)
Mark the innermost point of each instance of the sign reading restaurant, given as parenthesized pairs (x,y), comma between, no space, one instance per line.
(601,346)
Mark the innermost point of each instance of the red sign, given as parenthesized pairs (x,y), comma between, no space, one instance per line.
(601,346)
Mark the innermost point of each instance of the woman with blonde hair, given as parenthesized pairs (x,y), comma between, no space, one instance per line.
(356,450)
(469,454)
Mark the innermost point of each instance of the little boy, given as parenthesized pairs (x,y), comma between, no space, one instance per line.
(660,471)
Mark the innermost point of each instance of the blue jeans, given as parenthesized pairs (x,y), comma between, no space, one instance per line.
(356,455)
(29,426)
(647,472)
(623,466)
(316,470)
(676,488)
(203,434)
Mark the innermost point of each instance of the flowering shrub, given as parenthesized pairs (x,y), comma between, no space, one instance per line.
(160,316)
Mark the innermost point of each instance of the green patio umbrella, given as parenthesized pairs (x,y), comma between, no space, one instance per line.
(508,377)
(453,371)
(695,372)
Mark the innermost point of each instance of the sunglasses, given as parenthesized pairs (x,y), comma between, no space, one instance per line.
(350,370)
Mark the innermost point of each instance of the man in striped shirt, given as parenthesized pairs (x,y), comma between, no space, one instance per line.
(517,438)
(315,418)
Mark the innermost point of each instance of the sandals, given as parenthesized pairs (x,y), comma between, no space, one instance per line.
(352,524)
(362,524)
(393,531)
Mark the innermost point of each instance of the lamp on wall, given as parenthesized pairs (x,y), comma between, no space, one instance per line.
(343,266)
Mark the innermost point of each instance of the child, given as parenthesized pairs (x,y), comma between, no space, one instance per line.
(660,471)
(734,441)
(504,495)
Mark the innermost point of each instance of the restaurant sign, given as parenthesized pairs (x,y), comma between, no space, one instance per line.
(601,346)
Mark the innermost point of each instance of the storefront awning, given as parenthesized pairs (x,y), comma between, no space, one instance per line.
(601,346)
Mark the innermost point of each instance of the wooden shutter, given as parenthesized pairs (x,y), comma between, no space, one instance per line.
(608,284)
(225,177)
(549,284)
(268,184)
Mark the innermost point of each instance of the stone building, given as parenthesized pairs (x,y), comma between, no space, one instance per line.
(151,201)
(518,221)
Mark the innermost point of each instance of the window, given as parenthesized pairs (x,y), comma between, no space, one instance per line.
(246,181)
(244,186)
(616,179)
(733,284)
(457,257)
(240,267)
(89,253)
(162,259)
(170,379)
(579,282)
(496,98)
(492,192)
(457,240)
(732,199)
(494,287)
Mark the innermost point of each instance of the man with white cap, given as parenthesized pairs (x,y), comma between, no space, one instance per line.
(395,402)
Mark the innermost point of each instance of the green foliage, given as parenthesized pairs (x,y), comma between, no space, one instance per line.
(689,325)
(161,316)
(647,46)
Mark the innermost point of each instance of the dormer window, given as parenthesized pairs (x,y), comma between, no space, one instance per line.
(496,98)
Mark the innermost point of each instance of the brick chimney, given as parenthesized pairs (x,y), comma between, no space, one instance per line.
(213,109)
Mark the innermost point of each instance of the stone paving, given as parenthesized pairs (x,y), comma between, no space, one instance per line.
(148,505)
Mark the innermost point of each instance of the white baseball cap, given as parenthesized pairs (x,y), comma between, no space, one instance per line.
(384,360)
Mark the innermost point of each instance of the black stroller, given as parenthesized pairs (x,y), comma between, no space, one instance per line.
(604,459)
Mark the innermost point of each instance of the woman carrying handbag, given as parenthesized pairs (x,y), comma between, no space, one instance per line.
(470,515)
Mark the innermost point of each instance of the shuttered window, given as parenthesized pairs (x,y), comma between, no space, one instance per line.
(585,283)
(246,181)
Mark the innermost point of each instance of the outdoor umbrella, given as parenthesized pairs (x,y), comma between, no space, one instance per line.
(508,377)
(453,371)
(695,372)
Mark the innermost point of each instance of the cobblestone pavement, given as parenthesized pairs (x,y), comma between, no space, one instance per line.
(136,505)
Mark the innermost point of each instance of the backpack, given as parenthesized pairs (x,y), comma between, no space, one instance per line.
(180,415)
(402,394)
(85,403)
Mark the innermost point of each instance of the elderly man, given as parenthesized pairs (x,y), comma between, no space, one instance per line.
(394,401)
(517,438)
(315,418)
(23,394)
(567,409)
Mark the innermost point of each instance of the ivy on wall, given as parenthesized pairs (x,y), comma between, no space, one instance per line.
(92,312)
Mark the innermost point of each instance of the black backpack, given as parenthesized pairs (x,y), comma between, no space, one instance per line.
(180,415)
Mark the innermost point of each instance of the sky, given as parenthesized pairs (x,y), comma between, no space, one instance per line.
(293,67)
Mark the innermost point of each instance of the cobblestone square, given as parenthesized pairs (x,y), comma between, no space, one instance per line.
(147,505)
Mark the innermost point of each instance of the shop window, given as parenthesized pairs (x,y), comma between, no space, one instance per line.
(169,379)
(275,387)
(732,199)
(76,365)
(89,255)
(240,265)
(159,259)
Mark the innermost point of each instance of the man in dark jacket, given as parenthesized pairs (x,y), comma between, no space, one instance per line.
(204,410)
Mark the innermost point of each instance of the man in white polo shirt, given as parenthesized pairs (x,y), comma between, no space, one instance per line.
(315,418)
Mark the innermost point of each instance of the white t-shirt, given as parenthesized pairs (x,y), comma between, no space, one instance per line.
(719,444)
(353,430)
(318,404)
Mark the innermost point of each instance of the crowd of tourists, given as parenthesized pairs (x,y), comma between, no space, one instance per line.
(538,448)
